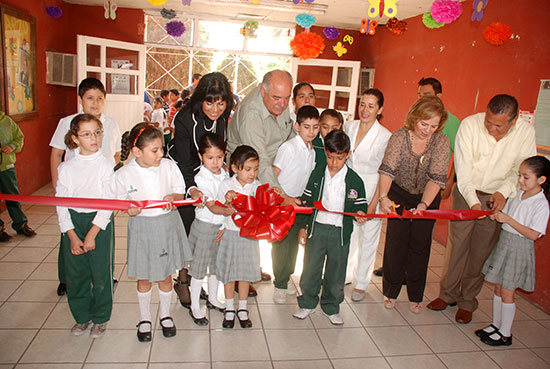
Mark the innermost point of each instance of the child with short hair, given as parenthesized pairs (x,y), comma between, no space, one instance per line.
(86,239)
(173,96)
(157,243)
(329,120)
(238,257)
(158,118)
(511,264)
(293,164)
(328,235)
(207,228)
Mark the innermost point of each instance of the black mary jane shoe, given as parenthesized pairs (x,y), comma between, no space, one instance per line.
(211,306)
(226,322)
(502,340)
(144,336)
(481,332)
(203,295)
(168,331)
(245,323)
(198,321)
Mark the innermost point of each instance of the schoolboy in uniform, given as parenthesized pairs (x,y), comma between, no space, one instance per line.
(328,235)
(91,95)
(293,164)
(329,121)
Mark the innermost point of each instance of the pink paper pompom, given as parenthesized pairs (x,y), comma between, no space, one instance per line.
(446,11)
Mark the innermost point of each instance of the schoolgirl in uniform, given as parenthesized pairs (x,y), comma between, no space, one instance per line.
(157,243)
(206,230)
(238,257)
(86,234)
(511,264)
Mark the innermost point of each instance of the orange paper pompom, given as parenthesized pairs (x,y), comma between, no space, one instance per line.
(497,33)
(307,45)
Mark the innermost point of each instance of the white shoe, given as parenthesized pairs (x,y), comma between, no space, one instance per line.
(335,319)
(279,296)
(98,330)
(291,288)
(357,297)
(303,313)
(79,329)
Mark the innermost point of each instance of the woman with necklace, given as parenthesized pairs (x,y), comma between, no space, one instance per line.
(207,112)
(412,174)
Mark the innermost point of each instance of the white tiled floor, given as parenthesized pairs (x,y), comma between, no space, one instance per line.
(35,323)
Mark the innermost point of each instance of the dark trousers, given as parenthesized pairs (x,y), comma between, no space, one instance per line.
(8,185)
(89,276)
(283,257)
(407,250)
(187,214)
(324,248)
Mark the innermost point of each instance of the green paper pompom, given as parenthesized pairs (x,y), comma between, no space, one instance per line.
(429,21)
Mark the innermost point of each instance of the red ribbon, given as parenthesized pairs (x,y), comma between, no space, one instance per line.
(100,204)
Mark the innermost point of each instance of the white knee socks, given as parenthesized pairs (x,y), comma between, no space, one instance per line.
(497,313)
(196,285)
(213,284)
(164,308)
(508,312)
(144,299)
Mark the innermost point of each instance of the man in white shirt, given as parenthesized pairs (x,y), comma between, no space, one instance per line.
(489,149)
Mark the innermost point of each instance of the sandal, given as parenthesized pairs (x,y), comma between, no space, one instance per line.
(415,307)
(168,331)
(389,303)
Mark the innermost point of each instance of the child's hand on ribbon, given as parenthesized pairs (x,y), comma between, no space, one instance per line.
(197,194)
(169,206)
(133,211)
(361,220)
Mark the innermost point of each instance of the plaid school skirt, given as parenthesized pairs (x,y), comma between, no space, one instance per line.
(238,259)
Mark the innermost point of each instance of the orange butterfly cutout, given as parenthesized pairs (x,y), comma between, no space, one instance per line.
(368,26)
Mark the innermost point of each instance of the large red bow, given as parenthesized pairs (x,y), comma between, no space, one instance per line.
(262,217)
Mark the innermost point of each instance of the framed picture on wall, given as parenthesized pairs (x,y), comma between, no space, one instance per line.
(18,72)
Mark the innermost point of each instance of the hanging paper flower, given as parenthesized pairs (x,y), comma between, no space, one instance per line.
(446,11)
(186,2)
(157,2)
(168,14)
(307,45)
(331,33)
(305,20)
(429,21)
(497,33)
(175,28)
(478,6)
(54,11)
(396,26)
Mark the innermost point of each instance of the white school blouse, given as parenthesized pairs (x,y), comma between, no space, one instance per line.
(532,212)
(84,176)
(110,143)
(133,182)
(334,198)
(233,184)
(296,162)
(366,158)
(159,116)
(209,183)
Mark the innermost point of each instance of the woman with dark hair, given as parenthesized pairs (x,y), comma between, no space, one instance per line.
(302,94)
(207,112)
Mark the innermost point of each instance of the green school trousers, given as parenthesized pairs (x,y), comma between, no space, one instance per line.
(283,257)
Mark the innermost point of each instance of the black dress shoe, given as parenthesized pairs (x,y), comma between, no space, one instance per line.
(204,295)
(144,336)
(378,272)
(481,332)
(168,331)
(198,321)
(246,323)
(61,289)
(226,322)
(502,340)
(210,305)
(26,231)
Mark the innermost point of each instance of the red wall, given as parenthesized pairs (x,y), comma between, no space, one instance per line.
(55,102)
(471,71)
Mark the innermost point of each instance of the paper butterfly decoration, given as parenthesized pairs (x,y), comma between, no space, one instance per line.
(368,26)
(348,39)
(339,49)
(382,7)
(110,10)
(249,29)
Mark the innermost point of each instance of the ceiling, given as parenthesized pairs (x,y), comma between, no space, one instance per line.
(337,13)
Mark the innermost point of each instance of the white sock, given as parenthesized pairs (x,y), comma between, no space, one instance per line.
(229,306)
(508,312)
(144,299)
(196,285)
(497,313)
(213,285)
(242,306)
(164,309)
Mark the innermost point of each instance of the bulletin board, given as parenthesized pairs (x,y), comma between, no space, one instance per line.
(18,37)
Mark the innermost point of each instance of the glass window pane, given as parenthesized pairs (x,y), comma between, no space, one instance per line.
(156,31)
(220,35)
(93,55)
(271,40)
(341,101)
(314,74)
(121,84)
(322,99)
(122,58)
(343,78)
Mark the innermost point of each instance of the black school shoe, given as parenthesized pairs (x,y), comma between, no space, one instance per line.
(198,321)
(61,289)
(245,323)
(168,331)
(481,332)
(210,305)
(226,322)
(144,336)
(502,340)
